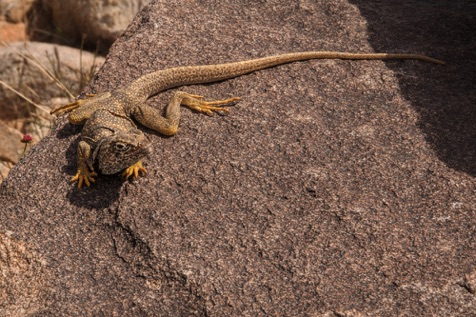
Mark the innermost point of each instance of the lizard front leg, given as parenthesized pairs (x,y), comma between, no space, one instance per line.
(82,109)
(83,175)
(134,170)
(168,125)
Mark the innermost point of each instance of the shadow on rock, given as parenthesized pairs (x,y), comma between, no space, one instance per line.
(443,96)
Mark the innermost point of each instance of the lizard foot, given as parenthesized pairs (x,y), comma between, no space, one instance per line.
(84,176)
(197,103)
(134,170)
(70,106)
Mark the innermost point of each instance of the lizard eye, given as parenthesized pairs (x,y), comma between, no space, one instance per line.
(121,146)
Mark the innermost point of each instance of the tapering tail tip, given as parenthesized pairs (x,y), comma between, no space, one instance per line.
(438,61)
(430,59)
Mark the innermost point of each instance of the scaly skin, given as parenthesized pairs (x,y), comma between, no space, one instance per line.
(111,137)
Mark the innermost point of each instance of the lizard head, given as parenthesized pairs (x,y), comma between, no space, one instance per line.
(121,150)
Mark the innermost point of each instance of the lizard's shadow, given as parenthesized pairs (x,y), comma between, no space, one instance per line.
(103,193)
(67,130)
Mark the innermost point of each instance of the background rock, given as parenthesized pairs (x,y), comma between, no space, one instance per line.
(10,148)
(23,67)
(102,22)
(10,32)
(15,10)
(329,190)
(11,145)
(12,17)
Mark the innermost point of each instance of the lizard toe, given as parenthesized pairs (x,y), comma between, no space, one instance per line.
(84,176)
(134,170)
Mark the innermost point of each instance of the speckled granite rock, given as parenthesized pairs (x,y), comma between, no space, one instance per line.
(334,188)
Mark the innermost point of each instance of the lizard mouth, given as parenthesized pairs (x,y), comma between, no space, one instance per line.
(146,145)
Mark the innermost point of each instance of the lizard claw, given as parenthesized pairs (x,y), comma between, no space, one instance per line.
(134,170)
(84,176)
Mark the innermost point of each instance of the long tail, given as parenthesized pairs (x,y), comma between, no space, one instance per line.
(158,81)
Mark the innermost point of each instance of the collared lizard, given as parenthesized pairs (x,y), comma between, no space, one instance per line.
(111,137)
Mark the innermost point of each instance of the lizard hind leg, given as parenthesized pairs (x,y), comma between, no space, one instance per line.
(198,103)
(168,124)
(80,110)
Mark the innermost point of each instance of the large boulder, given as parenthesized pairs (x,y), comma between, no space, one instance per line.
(329,189)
